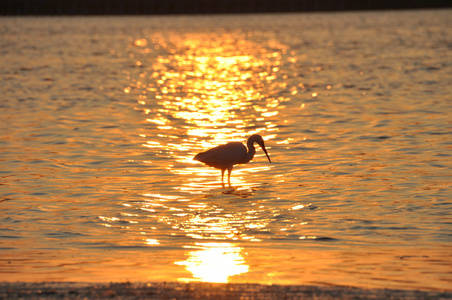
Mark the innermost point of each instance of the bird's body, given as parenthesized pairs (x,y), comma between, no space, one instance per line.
(226,156)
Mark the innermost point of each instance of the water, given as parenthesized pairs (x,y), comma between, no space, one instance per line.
(101,118)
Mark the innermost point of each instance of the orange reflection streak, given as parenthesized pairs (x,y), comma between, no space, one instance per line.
(204,90)
(216,229)
(198,91)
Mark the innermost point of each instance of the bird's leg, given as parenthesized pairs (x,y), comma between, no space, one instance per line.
(222,176)
(229,175)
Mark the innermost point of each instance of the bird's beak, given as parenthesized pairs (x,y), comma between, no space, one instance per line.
(263,148)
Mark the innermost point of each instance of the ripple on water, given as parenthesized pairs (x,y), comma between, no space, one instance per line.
(98,181)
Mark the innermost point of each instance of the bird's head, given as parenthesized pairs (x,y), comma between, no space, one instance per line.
(255,138)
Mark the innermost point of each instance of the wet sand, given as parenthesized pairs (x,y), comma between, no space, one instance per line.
(177,290)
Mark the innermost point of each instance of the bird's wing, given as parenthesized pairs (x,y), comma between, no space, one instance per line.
(228,154)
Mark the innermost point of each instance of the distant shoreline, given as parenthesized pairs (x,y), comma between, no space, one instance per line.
(198,290)
(175,7)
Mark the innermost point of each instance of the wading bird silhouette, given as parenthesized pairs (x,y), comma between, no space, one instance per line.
(226,156)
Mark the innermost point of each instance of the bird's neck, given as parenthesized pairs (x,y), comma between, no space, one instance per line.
(250,154)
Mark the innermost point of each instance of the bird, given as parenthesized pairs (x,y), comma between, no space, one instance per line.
(226,156)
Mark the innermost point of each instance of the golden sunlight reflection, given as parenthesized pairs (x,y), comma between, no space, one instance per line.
(197,91)
(214,262)
(204,90)
(201,220)
(211,231)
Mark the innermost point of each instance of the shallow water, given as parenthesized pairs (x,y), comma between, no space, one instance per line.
(102,116)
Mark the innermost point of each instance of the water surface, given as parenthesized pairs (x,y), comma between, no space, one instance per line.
(102,116)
